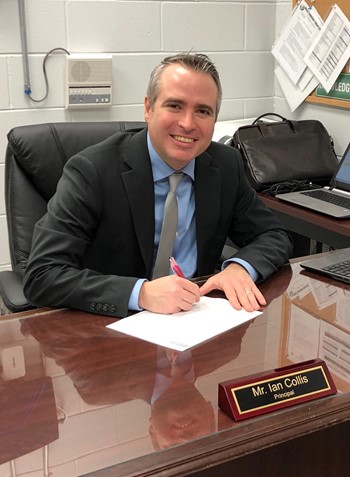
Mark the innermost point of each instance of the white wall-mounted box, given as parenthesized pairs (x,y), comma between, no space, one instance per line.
(89,81)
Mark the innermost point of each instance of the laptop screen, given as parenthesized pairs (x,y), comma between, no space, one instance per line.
(342,177)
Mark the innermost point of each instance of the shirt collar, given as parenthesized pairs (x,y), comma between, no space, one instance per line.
(161,169)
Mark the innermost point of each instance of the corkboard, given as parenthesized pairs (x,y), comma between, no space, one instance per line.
(323,7)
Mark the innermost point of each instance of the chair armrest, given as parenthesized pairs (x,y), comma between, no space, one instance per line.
(11,292)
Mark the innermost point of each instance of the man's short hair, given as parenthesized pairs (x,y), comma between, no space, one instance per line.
(192,61)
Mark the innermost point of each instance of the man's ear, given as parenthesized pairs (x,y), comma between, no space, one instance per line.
(153,436)
(147,108)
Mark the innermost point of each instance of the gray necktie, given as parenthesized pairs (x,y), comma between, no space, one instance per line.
(168,233)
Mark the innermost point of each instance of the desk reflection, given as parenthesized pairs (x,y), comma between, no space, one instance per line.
(32,422)
(108,368)
(317,324)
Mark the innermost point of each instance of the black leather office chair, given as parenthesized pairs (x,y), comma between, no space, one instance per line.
(34,162)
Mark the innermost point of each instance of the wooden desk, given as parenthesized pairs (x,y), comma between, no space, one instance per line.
(102,383)
(312,225)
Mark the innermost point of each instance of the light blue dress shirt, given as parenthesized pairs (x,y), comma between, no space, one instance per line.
(162,381)
(185,246)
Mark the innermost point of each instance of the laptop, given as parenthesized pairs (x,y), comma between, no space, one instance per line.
(332,200)
(336,265)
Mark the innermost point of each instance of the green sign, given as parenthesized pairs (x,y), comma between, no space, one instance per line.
(340,89)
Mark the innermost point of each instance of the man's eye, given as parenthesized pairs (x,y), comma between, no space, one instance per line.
(174,106)
(204,112)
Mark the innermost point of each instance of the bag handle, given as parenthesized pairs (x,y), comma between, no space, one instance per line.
(264,129)
(269,114)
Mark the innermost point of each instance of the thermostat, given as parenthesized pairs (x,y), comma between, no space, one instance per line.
(89,81)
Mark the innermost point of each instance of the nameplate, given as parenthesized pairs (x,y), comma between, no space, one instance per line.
(265,392)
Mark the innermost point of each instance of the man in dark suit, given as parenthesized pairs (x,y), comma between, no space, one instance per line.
(95,248)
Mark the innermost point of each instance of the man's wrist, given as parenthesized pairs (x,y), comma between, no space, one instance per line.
(135,295)
(251,270)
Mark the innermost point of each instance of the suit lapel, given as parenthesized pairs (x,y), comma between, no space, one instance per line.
(207,194)
(138,182)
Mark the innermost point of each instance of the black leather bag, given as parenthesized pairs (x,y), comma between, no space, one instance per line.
(276,152)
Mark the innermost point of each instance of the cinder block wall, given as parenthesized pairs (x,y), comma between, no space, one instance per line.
(236,34)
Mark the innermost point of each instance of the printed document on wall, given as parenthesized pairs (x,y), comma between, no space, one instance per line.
(330,49)
(295,40)
(293,94)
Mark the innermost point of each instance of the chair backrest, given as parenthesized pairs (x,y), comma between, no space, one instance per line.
(34,162)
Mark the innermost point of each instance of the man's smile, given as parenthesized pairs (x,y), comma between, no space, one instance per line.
(184,139)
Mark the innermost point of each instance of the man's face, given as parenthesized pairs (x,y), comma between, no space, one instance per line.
(179,415)
(181,122)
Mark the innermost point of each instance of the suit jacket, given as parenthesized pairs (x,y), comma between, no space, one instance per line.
(97,237)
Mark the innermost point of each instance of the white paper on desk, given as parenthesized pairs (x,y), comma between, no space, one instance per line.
(330,49)
(180,331)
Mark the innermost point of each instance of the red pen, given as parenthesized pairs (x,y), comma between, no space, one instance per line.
(175,268)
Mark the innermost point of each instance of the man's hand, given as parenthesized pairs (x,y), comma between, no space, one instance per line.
(238,287)
(168,295)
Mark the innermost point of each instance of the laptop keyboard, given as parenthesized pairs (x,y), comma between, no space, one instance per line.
(341,268)
(329,197)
